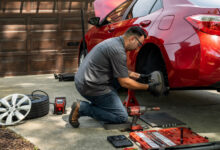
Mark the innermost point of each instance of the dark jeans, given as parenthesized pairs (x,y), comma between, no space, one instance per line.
(107,108)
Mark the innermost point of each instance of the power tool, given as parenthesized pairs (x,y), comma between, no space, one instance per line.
(60,105)
(136,112)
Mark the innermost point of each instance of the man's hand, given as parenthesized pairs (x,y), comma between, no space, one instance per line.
(144,78)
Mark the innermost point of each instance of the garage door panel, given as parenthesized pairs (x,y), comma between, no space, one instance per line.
(13,64)
(43,35)
(72,45)
(48,27)
(12,46)
(44,44)
(12,21)
(72,34)
(71,23)
(69,63)
(67,5)
(44,6)
(13,6)
(17,27)
(72,52)
(45,20)
(43,63)
(70,26)
(12,35)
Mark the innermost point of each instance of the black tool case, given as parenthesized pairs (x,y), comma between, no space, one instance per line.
(119,141)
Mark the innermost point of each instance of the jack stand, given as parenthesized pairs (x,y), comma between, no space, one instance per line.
(130,100)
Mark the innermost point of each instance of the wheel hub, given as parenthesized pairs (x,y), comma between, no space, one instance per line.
(14,108)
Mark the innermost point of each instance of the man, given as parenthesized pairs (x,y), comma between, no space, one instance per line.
(95,76)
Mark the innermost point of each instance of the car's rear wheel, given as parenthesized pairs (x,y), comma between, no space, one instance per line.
(150,59)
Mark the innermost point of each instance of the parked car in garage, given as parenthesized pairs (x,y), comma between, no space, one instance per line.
(183,39)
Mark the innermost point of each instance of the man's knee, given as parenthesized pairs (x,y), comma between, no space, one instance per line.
(122,118)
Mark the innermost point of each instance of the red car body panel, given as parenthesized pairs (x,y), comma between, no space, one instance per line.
(210,57)
(192,58)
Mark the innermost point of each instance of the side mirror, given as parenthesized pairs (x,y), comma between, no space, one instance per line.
(94,21)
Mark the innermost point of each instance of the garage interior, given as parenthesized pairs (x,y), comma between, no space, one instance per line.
(34,35)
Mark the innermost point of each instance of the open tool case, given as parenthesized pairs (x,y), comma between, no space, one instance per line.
(179,138)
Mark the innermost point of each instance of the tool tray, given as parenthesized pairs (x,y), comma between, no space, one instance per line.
(170,138)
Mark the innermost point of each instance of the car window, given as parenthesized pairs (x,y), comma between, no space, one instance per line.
(204,3)
(158,5)
(142,8)
(118,13)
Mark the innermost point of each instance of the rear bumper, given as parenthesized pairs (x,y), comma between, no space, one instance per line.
(195,62)
(209,70)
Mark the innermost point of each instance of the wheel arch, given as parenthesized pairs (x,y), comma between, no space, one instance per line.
(152,53)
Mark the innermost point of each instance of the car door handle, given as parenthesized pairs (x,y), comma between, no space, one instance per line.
(111,30)
(145,23)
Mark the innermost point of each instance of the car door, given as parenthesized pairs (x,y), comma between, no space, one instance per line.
(97,34)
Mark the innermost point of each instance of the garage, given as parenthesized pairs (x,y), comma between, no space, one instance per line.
(34,35)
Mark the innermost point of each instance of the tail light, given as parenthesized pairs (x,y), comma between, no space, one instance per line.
(206,23)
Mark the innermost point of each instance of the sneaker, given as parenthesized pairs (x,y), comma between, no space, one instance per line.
(156,83)
(74,115)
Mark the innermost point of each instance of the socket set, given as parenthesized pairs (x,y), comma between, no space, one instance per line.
(163,138)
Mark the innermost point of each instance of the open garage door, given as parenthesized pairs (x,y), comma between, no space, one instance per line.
(34,35)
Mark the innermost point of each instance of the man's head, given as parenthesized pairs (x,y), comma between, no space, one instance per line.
(134,37)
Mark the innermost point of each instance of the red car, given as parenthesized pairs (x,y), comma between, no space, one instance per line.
(183,39)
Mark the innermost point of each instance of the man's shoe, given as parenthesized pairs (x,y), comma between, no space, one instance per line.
(74,115)
(156,84)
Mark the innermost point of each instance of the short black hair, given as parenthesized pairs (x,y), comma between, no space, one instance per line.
(135,30)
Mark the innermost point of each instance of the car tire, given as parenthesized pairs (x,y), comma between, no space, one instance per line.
(40,105)
(82,56)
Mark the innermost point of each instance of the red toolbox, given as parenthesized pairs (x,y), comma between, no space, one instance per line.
(171,137)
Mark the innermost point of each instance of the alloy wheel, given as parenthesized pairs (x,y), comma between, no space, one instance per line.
(14,108)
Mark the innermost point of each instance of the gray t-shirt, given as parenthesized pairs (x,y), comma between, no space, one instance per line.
(106,61)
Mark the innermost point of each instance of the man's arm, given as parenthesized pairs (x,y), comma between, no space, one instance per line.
(132,84)
(133,75)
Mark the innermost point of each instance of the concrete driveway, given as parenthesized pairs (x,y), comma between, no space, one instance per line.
(198,109)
